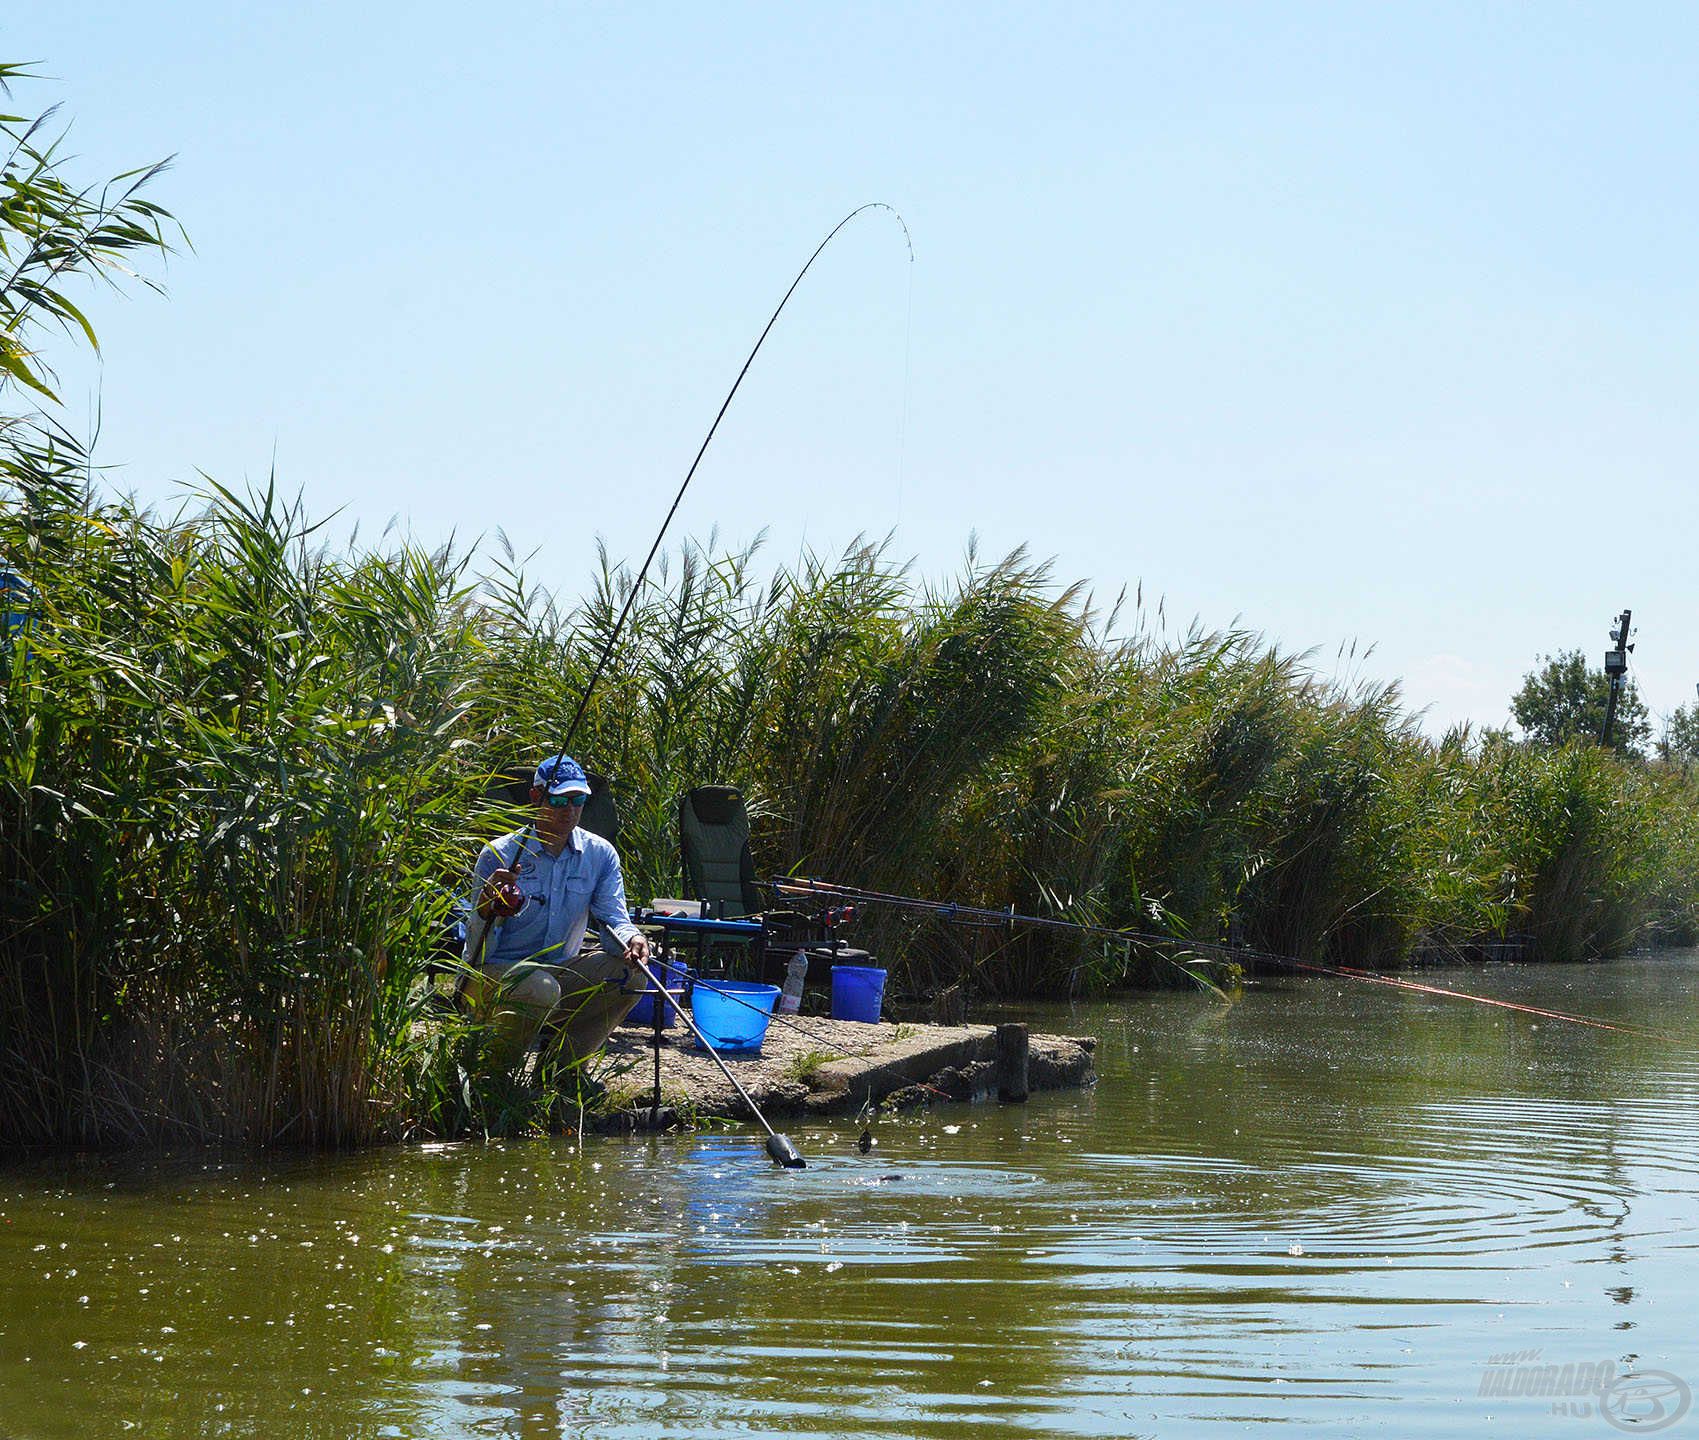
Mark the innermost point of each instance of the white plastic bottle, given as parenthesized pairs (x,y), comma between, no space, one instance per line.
(790,999)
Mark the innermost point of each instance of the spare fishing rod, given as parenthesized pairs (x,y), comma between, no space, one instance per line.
(779,1147)
(984,917)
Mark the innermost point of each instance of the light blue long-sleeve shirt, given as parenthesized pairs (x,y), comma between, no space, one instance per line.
(562,892)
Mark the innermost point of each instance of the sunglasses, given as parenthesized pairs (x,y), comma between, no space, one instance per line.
(578,801)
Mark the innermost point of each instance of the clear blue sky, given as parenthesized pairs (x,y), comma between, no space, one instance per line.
(1354,322)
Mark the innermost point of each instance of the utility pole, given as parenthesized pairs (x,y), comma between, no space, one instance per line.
(1616,666)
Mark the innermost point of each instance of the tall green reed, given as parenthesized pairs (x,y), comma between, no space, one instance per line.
(233,803)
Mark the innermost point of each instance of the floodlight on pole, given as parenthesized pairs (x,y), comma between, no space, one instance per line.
(1616,667)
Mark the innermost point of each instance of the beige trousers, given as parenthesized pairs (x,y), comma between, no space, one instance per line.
(513,1001)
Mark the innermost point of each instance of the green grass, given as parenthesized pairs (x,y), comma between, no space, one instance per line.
(806,1066)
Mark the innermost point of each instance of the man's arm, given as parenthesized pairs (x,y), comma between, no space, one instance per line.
(607,904)
(481,905)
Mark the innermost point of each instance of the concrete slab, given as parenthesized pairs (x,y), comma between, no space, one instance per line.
(822,1066)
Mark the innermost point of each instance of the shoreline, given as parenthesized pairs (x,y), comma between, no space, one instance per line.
(826,1067)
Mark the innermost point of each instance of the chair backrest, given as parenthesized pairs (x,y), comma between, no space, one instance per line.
(601,813)
(713,838)
(511,785)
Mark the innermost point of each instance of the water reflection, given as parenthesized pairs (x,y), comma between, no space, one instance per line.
(1319,1208)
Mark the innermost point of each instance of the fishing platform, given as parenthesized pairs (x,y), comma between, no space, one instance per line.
(833,1067)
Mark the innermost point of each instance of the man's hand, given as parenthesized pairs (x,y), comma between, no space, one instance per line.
(502,896)
(637,948)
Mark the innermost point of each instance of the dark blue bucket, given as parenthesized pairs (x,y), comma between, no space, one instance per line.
(857,993)
(15,600)
(677,980)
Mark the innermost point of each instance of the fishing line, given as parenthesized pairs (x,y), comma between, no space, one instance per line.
(908,367)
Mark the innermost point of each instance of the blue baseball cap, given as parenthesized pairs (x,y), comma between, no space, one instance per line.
(561,775)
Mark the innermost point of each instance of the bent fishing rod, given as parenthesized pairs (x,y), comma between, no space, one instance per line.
(678,499)
(707,440)
(984,917)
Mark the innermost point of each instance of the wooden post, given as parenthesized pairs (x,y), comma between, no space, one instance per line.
(1011,1063)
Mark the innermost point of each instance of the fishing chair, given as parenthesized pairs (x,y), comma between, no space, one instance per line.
(713,833)
(713,842)
(713,839)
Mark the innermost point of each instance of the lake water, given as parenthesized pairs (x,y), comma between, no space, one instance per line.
(1330,1207)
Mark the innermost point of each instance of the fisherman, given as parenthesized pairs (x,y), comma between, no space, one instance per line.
(537,890)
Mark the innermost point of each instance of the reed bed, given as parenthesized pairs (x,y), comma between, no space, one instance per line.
(243,777)
(242,774)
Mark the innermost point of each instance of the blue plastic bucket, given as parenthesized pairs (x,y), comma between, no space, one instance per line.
(677,980)
(732,1014)
(857,993)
